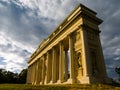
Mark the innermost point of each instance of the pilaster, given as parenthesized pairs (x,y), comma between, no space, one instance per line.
(85,56)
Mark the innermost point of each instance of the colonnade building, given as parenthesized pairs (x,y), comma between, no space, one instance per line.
(70,54)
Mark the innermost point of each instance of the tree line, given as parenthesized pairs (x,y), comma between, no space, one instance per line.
(117,69)
(10,77)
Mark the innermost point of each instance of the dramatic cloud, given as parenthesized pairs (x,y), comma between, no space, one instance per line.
(24,23)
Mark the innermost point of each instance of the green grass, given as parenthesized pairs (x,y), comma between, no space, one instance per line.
(57,87)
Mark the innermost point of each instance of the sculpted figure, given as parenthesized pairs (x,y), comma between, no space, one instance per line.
(79,60)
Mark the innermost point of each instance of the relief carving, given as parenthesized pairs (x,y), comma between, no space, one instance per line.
(79,69)
(77,36)
(79,63)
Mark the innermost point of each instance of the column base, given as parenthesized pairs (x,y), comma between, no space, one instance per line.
(41,83)
(84,80)
(51,82)
(35,83)
(59,81)
(70,81)
(45,82)
(32,83)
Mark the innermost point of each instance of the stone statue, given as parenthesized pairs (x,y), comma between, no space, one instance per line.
(79,69)
(79,60)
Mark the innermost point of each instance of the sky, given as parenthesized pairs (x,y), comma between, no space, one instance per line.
(25,23)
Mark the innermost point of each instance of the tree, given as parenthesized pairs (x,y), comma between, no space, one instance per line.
(117,69)
(23,76)
(10,77)
(1,75)
(7,76)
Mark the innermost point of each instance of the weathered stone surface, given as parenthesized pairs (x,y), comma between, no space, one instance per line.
(76,43)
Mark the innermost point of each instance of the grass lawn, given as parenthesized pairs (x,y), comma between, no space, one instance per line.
(57,87)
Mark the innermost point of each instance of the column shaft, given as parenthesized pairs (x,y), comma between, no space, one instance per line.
(37,79)
(66,65)
(28,75)
(61,63)
(40,71)
(35,74)
(38,74)
(54,66)
(71,58)
(57,64)
(43,71)
(36,71)
(48,66)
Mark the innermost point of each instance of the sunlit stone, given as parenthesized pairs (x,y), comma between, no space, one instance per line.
(76,43)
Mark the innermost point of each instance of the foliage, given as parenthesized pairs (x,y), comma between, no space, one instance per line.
(23,76)
(10,77)
(117,69)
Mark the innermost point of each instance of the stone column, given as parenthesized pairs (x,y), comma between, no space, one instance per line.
(48,67)
(40,75)
(57,64)
(54,66)
(28,75)
(37,82)
(66,65)
(32,74)
(61,63)
(36,72)
(43,71)
(72,79)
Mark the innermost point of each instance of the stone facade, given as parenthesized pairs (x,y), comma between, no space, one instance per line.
(71,54)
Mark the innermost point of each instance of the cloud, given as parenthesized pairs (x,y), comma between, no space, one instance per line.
(20,35)
(12,54)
